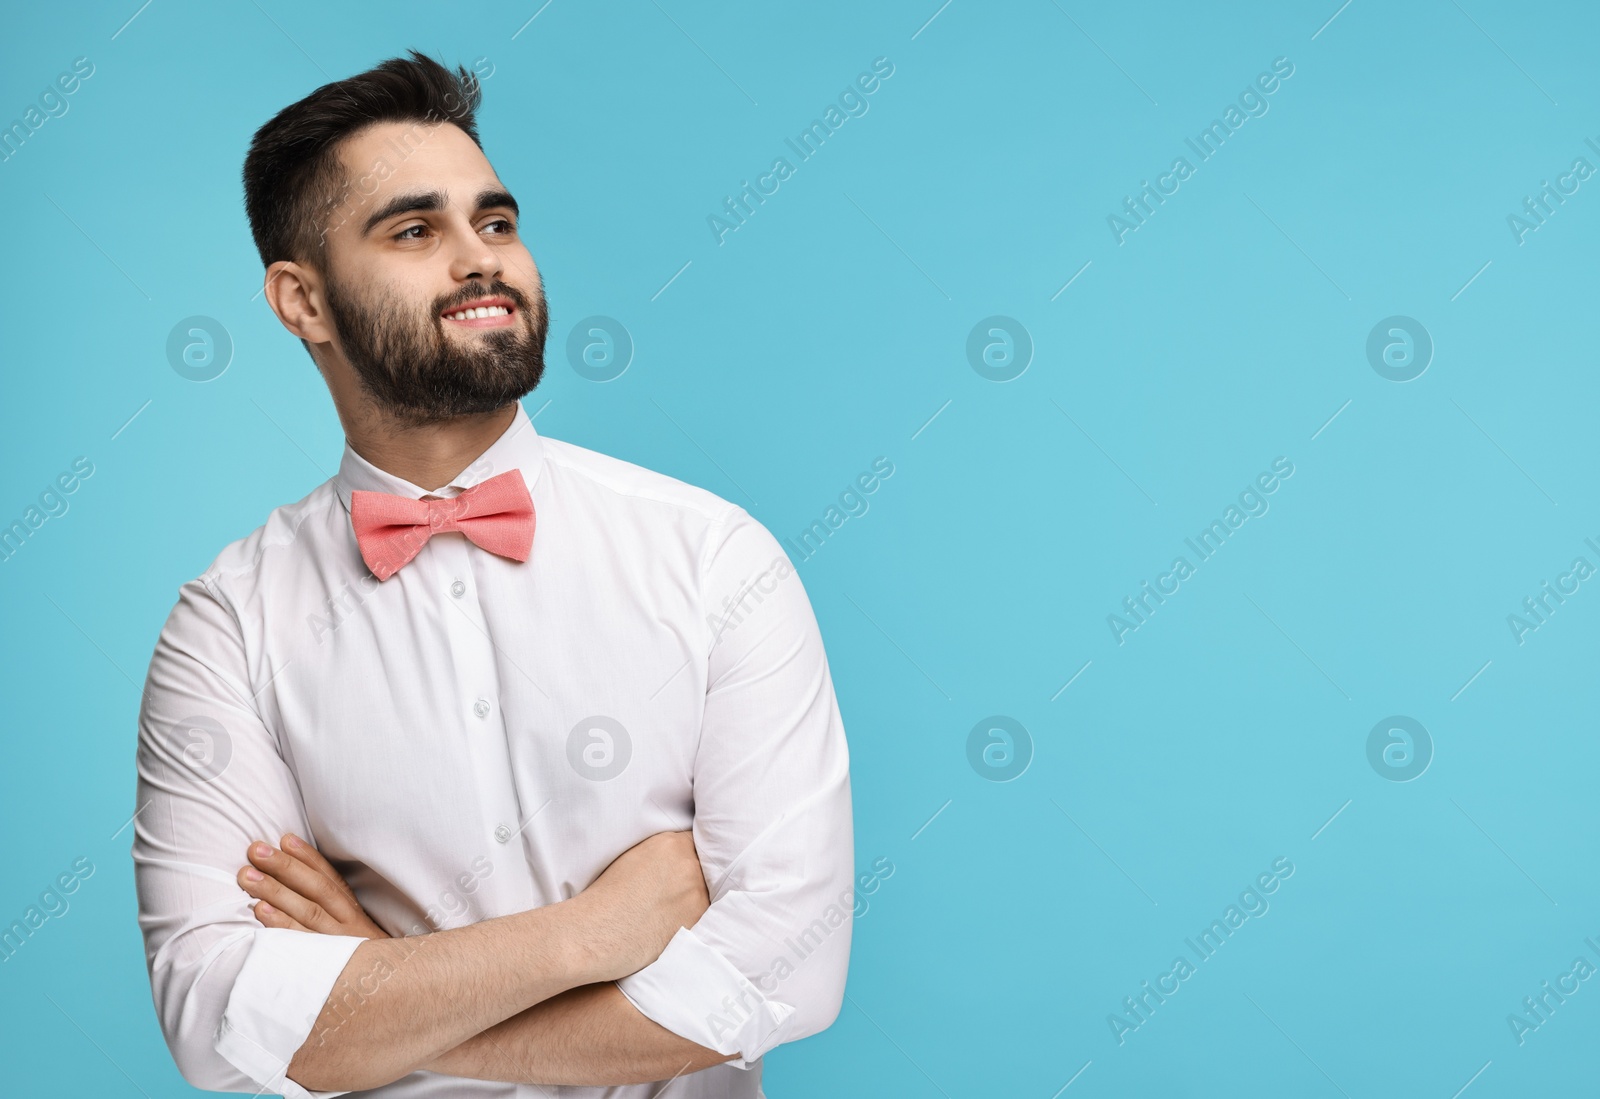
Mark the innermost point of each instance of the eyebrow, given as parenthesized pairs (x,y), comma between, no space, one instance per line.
(426,201)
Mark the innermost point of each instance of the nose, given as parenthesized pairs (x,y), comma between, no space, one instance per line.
(474,257)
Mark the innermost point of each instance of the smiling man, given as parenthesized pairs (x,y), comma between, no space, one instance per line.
(493,763)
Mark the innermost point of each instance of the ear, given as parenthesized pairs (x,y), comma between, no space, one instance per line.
(295,294)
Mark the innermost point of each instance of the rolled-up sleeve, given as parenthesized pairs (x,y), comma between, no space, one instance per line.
(235,1000)
(766,964)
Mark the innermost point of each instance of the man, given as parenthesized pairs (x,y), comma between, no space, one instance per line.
(494,763)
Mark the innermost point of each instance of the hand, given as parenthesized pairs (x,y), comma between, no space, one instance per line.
(300,890)
(641,900)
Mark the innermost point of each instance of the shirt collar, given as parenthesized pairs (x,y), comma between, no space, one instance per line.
(518,447)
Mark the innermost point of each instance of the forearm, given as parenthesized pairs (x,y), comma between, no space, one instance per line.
(587,1036)
(400,1002)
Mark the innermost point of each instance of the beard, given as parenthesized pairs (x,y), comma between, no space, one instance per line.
(419,374)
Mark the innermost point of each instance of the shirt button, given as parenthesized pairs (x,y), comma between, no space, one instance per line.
(458,589)
(502,833)
(481,707)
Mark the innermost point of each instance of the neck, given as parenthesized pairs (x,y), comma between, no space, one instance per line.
(429,456)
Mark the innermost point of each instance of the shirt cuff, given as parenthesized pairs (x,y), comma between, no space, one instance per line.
(697,994)
(275,1001)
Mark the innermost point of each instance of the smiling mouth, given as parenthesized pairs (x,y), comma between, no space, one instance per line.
(495,314)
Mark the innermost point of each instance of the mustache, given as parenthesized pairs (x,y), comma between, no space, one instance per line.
(452,302)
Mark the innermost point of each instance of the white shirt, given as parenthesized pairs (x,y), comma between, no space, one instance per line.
(475,737)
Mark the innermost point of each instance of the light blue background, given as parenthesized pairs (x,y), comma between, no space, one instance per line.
(831,329)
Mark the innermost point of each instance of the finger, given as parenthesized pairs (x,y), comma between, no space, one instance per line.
(273,917)
(298,875)
(298,848)
(302,892)
(285,902)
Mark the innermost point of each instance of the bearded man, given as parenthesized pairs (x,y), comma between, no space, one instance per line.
(494,763)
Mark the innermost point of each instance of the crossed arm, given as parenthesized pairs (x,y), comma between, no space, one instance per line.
(524,998)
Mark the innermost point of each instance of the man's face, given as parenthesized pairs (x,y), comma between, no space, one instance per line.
(408,252)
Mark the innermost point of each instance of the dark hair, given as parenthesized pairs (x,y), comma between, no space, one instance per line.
(293,180)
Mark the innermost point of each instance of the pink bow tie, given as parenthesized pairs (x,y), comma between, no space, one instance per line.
(496,514)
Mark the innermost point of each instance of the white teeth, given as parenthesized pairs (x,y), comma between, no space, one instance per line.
(481,311)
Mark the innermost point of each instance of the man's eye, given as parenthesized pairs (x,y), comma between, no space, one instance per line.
(506,226)
(414,229)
